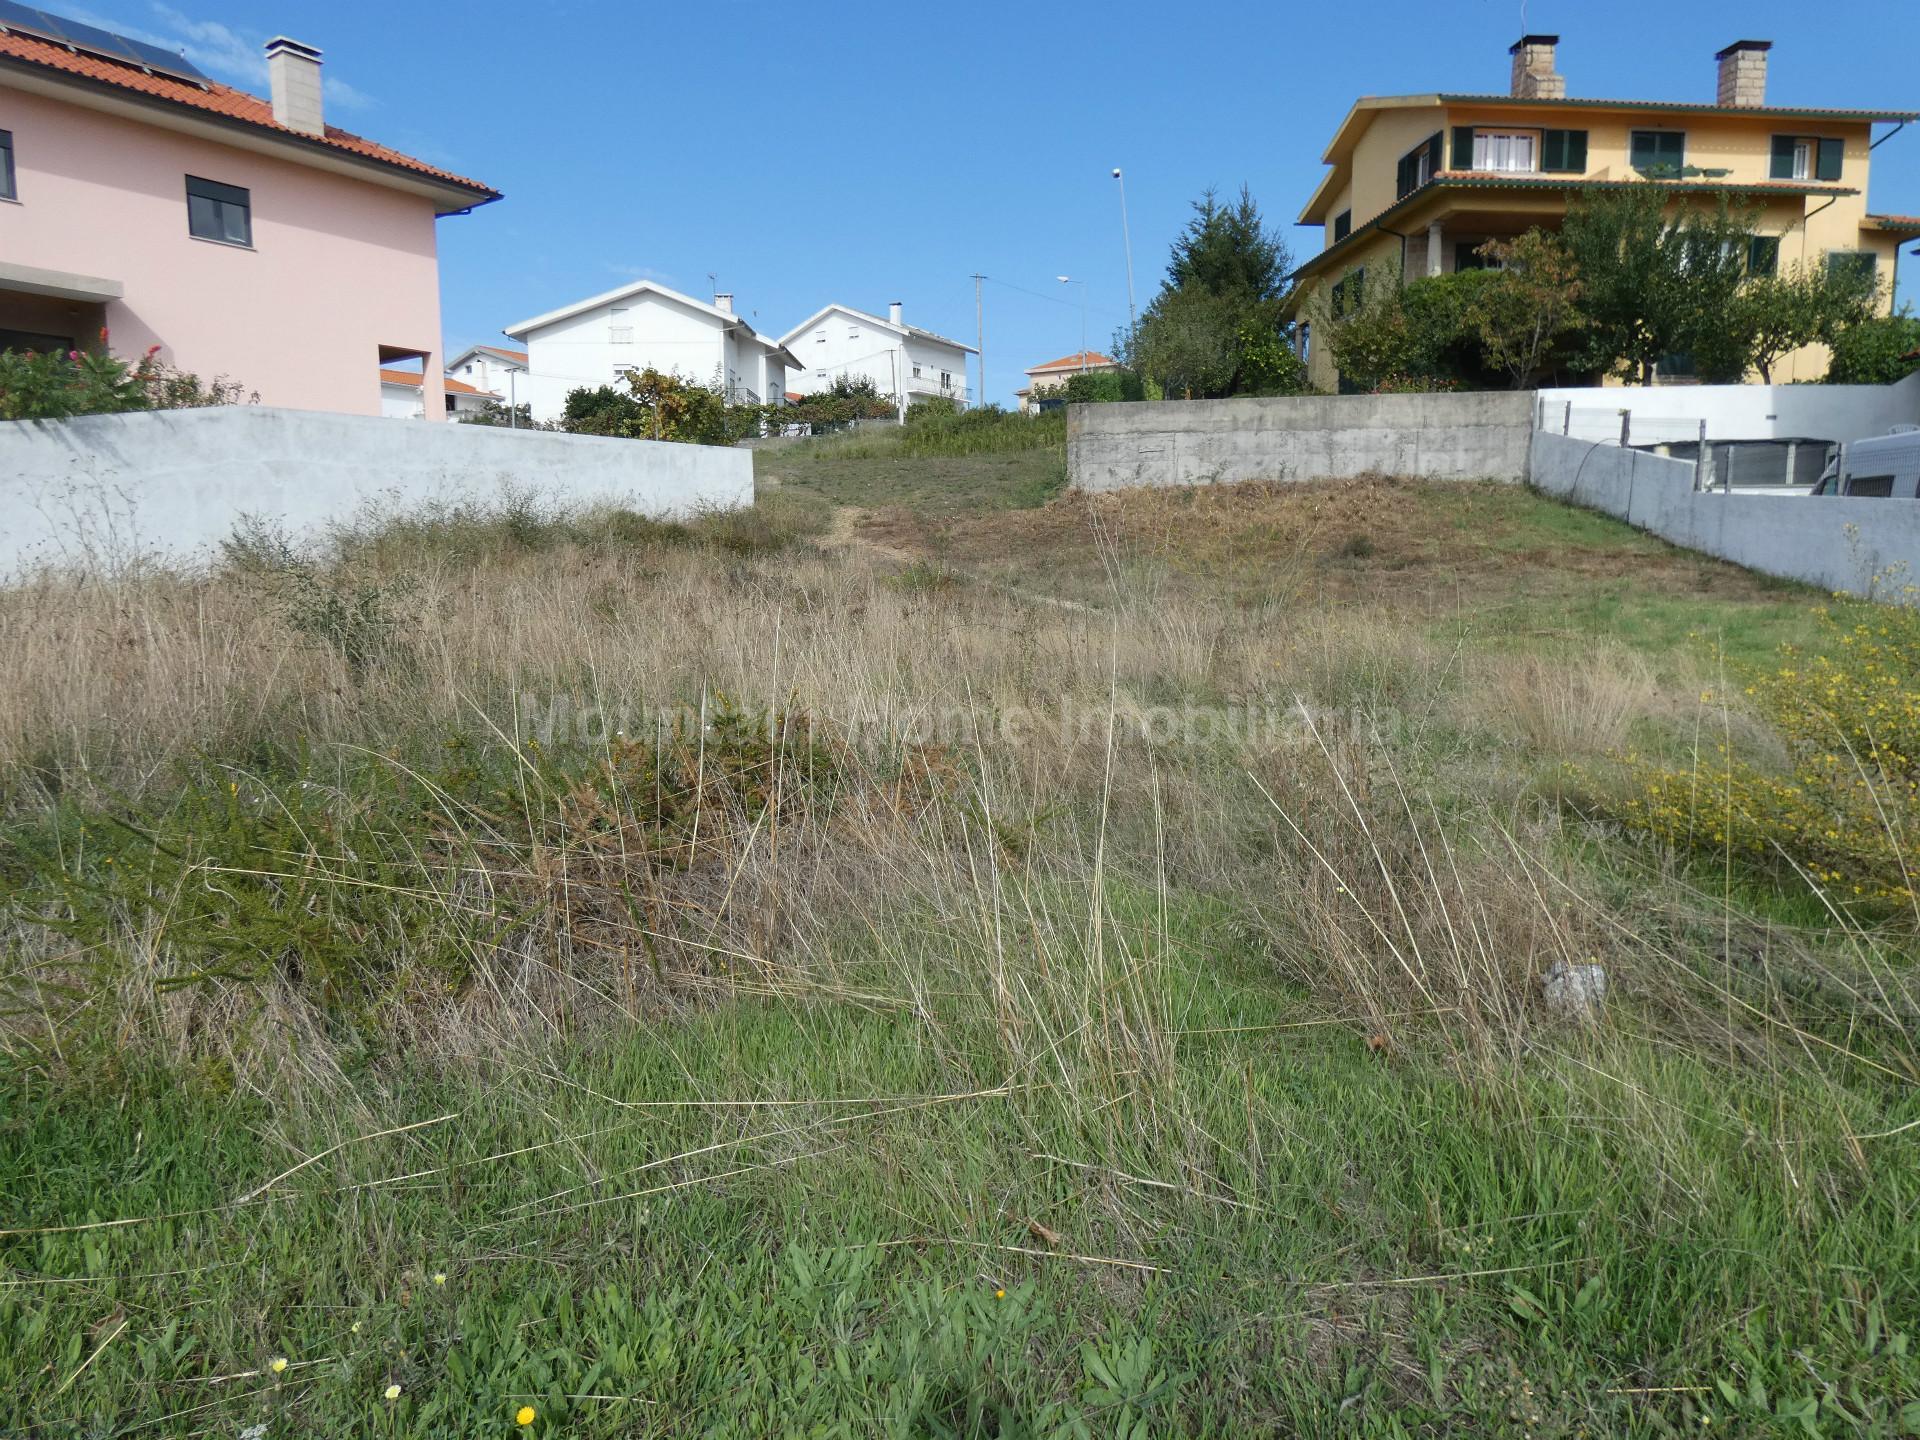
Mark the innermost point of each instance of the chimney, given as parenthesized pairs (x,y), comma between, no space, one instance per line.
(1534,77)
(1743,74)
(724,303)
(893,313)
(295,71)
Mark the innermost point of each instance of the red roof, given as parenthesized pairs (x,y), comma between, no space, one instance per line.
(1091,359)
(213,99)
(411,379)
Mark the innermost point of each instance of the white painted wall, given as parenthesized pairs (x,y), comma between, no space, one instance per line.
(489,373)
(400,402)
(108,489)
(580,350)
(1733,412)
(846,342)
(1833,542)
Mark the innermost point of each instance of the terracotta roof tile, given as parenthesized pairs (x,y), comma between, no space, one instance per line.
(1071,362)
(214,99)
(411,379)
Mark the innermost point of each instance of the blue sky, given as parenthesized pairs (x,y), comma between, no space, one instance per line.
(865,153)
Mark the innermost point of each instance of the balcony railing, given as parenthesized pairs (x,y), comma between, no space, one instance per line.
(955,390)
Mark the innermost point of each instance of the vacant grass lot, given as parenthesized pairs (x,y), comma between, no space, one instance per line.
(935,956)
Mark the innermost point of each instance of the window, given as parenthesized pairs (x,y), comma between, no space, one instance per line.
(619,328)
(1763,255)
(7,190)
(946,380)
(1806,157)
(1349,292)
(1658,152)
(1873,487)
(916,372)
(1503,150)
(1342,226)
(1467,256)
(853,332)
(819,337)
(1303,342)
(223,213)
(1864,261)
(1417,167)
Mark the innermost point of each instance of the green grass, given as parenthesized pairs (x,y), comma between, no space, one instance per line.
(1051,1094)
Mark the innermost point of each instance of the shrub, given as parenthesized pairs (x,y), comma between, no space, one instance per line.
(1844,811)
(56,385)
(1101,387)
(1876,352)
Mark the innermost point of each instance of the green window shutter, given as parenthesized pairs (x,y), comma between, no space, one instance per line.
(1436,153)
(1782,166)
(1763,255)
(1640,150)
(1577,152)
(1463,147)
(1828,164)
(1342,225)
(1553,150)
(1403,179)
(1358,279)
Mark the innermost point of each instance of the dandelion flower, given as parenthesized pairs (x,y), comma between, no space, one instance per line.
(439,1277)
(393,1392)
(355,1327)
(999,1294)
(524,1415)
(278,1364)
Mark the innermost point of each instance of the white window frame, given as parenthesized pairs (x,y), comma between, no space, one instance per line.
(1485,143)
(619,327)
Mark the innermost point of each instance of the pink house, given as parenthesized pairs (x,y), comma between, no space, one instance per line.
(245,237)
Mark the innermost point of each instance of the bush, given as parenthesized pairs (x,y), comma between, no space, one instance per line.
(1845,809)
(1100,387)
(1876,352)
(56,385)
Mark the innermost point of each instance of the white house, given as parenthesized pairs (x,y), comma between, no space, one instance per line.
(902,360)
(402,398)
(597,341)
(491,368)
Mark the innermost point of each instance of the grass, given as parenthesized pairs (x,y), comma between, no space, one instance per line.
(896,962)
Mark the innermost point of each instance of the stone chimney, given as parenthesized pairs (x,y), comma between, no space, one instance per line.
(893,313)
(1743,74)
(724,303)
(1534,77)
(295,72)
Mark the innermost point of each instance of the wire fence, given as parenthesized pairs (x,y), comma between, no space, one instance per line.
(1785,465)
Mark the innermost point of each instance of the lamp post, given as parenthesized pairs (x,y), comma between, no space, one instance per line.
(1126,241)
(1069,280)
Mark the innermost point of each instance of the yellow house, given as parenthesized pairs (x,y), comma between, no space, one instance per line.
(1415,183)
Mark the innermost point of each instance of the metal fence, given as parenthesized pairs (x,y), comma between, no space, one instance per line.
(1779,465)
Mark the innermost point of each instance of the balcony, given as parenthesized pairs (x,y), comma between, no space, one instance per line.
(954,389)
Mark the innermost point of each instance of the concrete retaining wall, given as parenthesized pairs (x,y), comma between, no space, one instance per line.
(1317,437)
(1856,545)
(109,488)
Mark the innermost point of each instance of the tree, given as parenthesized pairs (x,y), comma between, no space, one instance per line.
(1773,315)
(1093,387)
(1876,352)
(1654,289)
(1406,337)
(1215,328)
(1529,306)
(657,405)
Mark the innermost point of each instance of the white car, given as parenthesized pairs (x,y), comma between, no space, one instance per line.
(1887,467)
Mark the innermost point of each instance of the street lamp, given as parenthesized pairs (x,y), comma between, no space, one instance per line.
(1069,280)
(1126,240)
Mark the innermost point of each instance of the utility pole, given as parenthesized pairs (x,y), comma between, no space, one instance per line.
(1069,280)
(980,339)
(1126,240)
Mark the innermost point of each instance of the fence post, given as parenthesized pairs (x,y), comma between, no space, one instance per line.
(1727,487)
(1702,457)
(1566,420)
(1626,427)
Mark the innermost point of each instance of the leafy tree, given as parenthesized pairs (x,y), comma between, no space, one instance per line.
(1654,288)
(1876,352)
(1215,328)
(1093,387)
(1526,310)
(1416,336)
(1773,315)
(658,405)
(58,384)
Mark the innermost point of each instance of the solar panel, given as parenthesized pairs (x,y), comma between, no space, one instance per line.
(29,21)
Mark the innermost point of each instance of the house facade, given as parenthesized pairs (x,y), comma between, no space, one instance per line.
(1416,183)
(596,341)
(1054,374)
(493,369)
(403,396)
(243,236)
(903,361)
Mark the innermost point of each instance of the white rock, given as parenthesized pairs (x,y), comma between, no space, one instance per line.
(1574,990)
